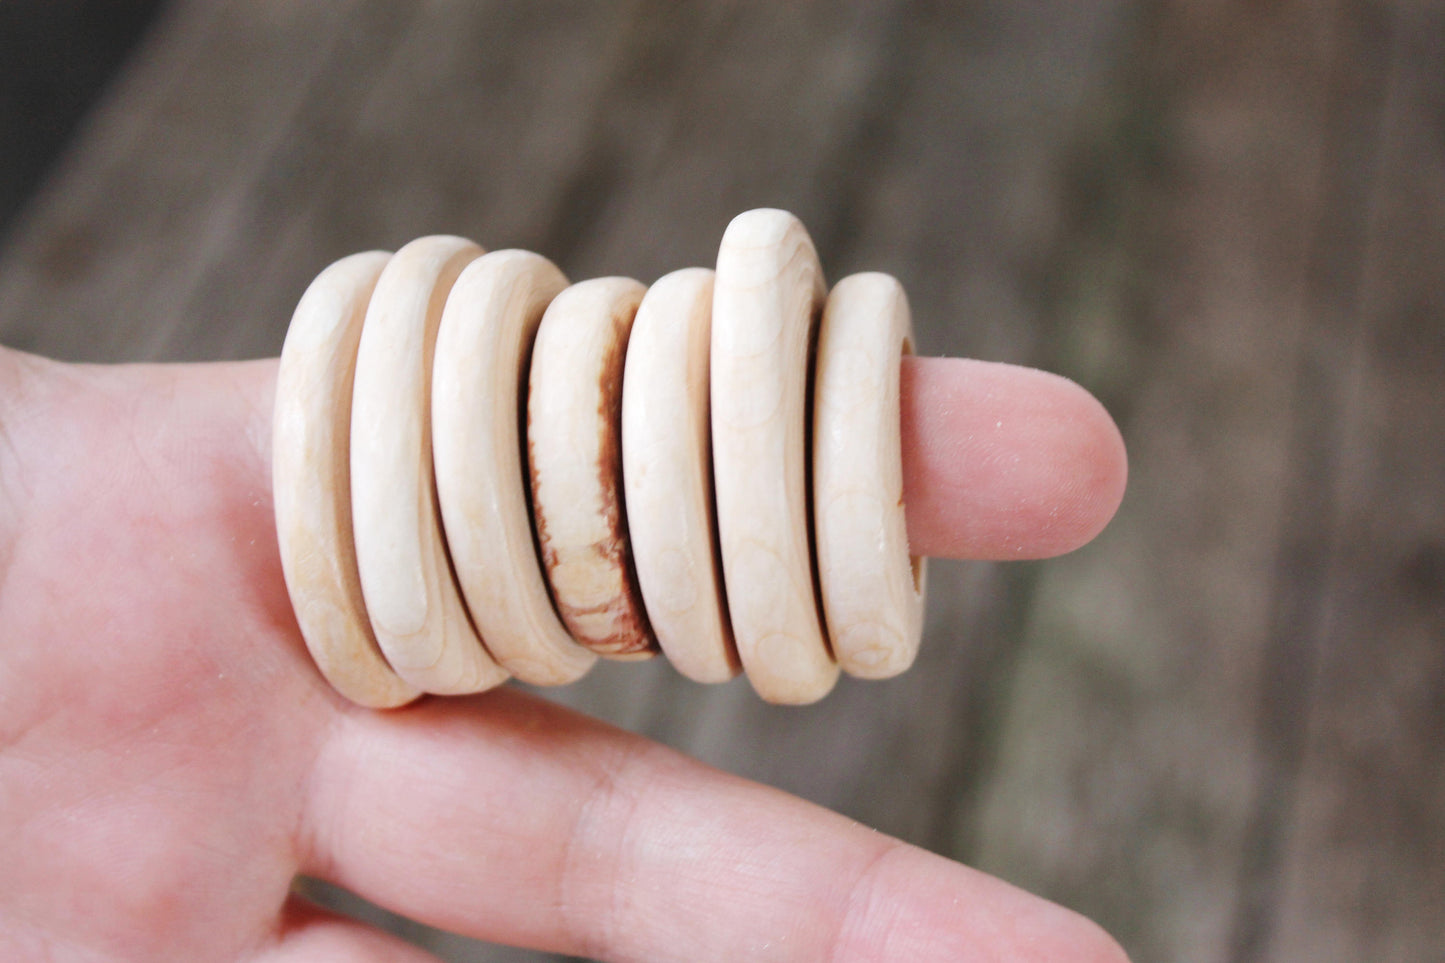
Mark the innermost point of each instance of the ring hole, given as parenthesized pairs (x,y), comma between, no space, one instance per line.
(915,562)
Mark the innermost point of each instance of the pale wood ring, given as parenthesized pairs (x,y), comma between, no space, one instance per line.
(667,474)
(575,451)
(483,354)
(768,295)
(872,588)
(412,598)
(310,471)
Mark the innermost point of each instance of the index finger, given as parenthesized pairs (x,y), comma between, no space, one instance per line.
(999,461)
(1004,462)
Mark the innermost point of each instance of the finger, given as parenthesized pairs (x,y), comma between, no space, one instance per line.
(509,819)
(309,934)
(999,461)
(1004,462)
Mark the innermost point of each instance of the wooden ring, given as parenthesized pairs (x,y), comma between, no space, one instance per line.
(310,479)
(667,474)
(575,450)
(411,595)
(768,295)
(872,588)
(484,350)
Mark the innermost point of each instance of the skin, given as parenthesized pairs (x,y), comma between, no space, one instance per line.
(169,759)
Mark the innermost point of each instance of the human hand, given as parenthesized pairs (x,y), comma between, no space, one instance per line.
(170,759)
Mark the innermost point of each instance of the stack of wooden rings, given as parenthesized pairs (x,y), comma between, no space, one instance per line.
(480,471)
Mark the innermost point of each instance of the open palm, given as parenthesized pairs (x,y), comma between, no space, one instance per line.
(170,760)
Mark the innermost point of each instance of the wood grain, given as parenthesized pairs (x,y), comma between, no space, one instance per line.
(479,381)
(667,476)
(873,588)
(311,482)
(767,298)
(574,449)
(412,597)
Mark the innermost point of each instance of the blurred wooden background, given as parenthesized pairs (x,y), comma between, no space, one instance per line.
(1219,730)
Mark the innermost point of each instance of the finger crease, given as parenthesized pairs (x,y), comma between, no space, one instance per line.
(853,925)
(595,853)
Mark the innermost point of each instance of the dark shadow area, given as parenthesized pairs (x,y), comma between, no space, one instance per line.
(56,57)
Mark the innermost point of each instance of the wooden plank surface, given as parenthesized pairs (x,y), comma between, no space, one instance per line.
(1166,754)
(1218,731)
(1133,764)
(1361,871)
